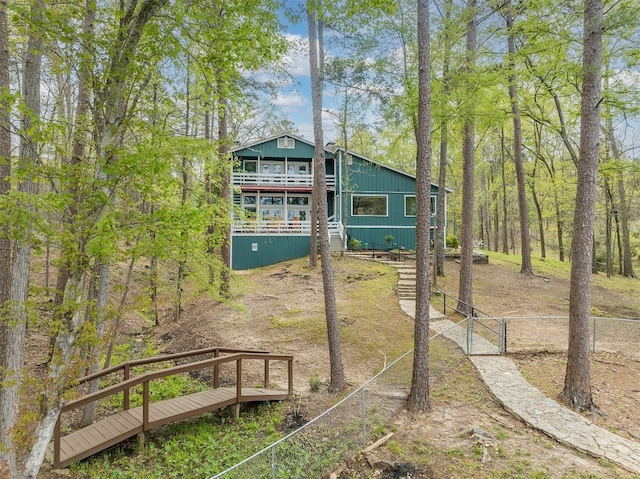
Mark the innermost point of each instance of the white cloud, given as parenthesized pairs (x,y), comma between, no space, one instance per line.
(297,59)
(290,102)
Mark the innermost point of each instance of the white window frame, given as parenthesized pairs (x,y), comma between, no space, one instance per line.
(286,143)
(405,205)
(433,203)
(360,195)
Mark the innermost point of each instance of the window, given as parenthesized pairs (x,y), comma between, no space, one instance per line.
(249,200)
(271,200)
(250,166)
(298,200)
(369,205)
(410,205)
(286,142)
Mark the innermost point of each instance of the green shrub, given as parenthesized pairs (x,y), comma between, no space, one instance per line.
(354,244)
(452,241)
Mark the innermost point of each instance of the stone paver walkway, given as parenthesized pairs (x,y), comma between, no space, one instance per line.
(520,398)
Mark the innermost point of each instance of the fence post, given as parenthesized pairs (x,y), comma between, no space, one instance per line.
(504,336)
(364,419)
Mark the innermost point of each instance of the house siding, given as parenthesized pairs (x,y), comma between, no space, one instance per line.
(254,251)
(270,149)
(366,178)
(253,247)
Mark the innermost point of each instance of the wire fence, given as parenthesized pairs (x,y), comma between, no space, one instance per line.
(536,333)
(316,448)
(551,333)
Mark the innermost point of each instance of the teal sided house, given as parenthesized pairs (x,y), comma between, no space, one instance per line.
(273,182)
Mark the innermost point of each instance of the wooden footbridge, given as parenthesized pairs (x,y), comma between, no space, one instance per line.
(129,422)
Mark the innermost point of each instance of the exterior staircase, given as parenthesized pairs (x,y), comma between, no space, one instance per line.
(335,241)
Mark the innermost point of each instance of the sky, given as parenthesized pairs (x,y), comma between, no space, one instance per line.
(294,99)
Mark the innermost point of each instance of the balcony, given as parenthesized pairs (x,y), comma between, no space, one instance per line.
(280,180)
(273,226)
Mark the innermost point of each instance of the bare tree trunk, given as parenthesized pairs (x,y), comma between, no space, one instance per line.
(182,262)
(623,208)
(331,311)
(465,290)
(577,383)
(559,227)
(5,166)
(608,225)
(536,201)
(102,277)
(5,242)
(526,267)
(318,50)
(444,139)
(496,220)
(505,209)
(225,195)
(16,320)
(418,399)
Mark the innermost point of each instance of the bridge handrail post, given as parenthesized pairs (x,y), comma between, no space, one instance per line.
(145,405)
(238,380)
(216,370)
(126,391)
(266,373)
(290,374)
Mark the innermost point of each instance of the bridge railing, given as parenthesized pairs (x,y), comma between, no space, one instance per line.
(127,384)
(127,368)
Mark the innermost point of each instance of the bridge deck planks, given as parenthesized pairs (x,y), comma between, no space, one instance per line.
(124,424)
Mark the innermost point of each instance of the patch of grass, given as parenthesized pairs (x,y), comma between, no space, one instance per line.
(315,383)
(454,452)
(198,447)
(604,462)
(396,448)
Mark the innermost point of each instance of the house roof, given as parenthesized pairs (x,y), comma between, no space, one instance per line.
(271,138)
(382,165)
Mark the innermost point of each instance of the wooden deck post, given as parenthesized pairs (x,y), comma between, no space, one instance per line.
(216,370)
(266,373)
(290,374)
(236,412)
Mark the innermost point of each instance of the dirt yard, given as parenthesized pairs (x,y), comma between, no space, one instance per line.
(278,308)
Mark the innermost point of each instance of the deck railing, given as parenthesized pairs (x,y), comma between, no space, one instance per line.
(277,179)
(237,356)
(272,226)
